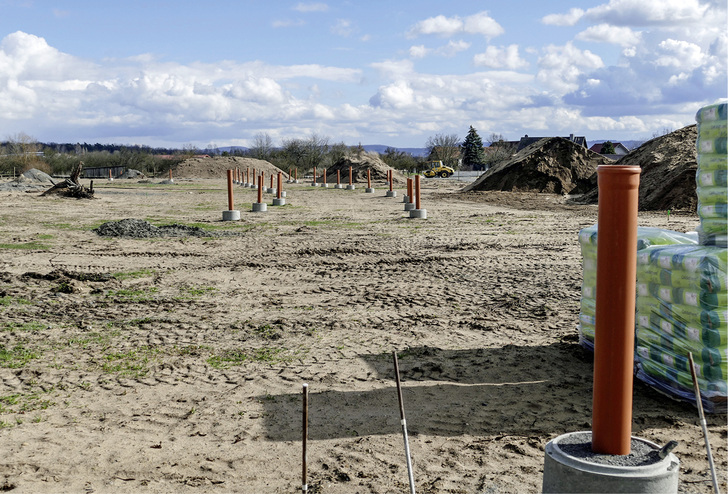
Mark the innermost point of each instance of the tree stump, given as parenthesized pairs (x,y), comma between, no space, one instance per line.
(71,187)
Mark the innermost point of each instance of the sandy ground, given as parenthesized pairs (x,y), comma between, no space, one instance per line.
(176,364)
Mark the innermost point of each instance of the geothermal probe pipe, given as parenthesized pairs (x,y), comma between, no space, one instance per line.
(369,188)
(231,214)
(417,212)
(279,199)
(338,180)
(351,186)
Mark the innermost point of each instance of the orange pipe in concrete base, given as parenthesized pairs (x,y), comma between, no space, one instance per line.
(170,174)
(230,189)
(417,192)
(369,178)
(338,177)
(391,179)
(350,175)
(314,175)
(261,179)
(295,174)
(324,177)
(280,185)
(409,189)
(615,308)
(271,180)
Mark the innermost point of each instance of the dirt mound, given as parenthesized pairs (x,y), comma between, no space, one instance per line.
(554,164)
(29,181)
(359,164)
(669,164)
(135,228)
(131,173)
(216,167)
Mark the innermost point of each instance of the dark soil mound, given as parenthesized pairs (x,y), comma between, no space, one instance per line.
(135,228)
(359,164)
(217,167)
(554,165)
(669,164)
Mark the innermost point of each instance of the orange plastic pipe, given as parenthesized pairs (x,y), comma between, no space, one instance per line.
(260,188)
(280,185)
(615,308)
(170,174)
(295,172)
(314,175)
(247,175)
(338,177)
(417,192)
(271,180)
(324,177)
(369,178)
(230,189)
(350,175)
(391,179)
(409,189)
(109,173)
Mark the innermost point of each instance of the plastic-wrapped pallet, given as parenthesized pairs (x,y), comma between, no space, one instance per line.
(682,307)
(588,240)
(712,174)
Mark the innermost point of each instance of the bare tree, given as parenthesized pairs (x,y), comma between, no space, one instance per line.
(445,148)
(262,148)
(24,149)
(493,137)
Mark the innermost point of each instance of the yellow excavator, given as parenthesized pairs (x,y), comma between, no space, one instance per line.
(437,169)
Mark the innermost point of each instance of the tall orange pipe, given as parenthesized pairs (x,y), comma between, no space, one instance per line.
(280,185)
(314,175)
(409,189)
(247,175)
(271,180)
(230,189)
(350,175)
(391,179)
(295,174)
(338,177)
(170,174)
(615,307)
(260,187)
(369,178)
(417,192)
(324,177)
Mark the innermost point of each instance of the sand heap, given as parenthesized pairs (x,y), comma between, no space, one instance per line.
(359,164)
(669,164)
(29,180)
(216,167)
(132,173)
(554,164)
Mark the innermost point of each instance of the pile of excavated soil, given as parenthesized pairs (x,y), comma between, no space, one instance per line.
(217,167)
(132,173)
(30,180)
(134,228)
(554,165)
(669,164)
(359,164)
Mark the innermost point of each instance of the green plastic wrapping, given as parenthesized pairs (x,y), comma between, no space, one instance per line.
(682,308)
(646,236)
(712,113)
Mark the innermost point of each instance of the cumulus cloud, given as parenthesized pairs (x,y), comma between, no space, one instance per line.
(342,27)
(647,12)
(561,67)
(500,57)
(604,33)
(568,19)
(480,23)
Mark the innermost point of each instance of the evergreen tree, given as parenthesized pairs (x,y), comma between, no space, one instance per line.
(472,148)
(608,148)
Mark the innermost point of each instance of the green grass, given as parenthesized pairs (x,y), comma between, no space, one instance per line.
(8,300)
(16,357)
(26,326)
(132,275)
(190,292)
(33,245)
(133,295)
(133,363)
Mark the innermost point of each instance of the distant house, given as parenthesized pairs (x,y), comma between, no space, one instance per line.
(619,149)
(527,141)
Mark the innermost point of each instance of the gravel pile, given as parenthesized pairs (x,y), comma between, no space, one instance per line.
(135,228)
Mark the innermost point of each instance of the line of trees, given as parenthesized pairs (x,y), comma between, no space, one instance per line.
(22,152)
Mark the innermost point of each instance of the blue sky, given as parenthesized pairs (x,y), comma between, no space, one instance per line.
(177,73)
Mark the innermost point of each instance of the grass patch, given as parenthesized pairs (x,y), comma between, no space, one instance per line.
(190,292)
(133,295)
(8,300)
(33,245)
(26,326)
(14,358)
(132,275)
(133,363)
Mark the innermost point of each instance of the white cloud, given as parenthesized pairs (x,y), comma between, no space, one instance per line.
(648,12)
(342,27)
(568,19)
(681,55)
(561,66)
(480,23)
(503,57)
(311,7)
(418,51)
(604,33)
(280,23)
